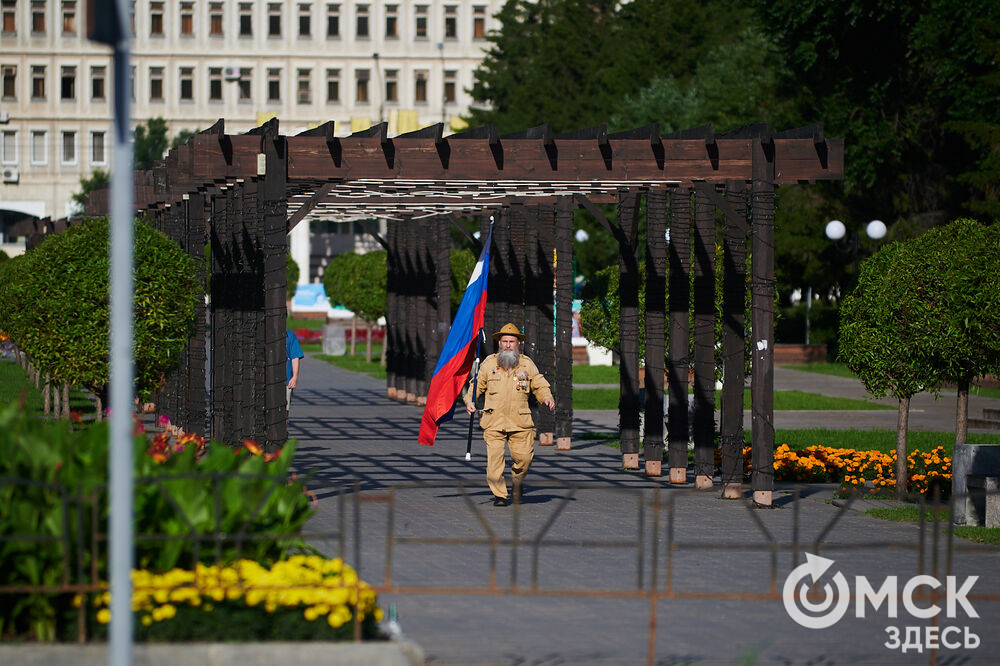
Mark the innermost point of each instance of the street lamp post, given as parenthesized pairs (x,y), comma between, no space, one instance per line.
(836,230)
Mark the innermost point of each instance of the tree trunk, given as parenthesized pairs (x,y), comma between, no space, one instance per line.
(65,400)
(46,399)
(354,331)
(56,404)
(368,344)
(902,423)
(98,408)
(962,412)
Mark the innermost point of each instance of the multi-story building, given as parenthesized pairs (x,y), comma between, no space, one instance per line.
(406,62)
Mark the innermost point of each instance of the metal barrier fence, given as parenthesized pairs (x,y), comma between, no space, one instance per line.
(517,543)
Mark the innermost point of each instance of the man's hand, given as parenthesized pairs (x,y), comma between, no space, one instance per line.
(293,382)
(469,407)
(550,403)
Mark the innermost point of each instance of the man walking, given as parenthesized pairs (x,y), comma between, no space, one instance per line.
(507,378)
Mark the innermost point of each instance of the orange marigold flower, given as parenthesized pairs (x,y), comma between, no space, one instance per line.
(253,447)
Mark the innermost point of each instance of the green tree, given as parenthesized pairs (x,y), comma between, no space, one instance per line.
(359,282)
(570,63)
(150,142)
(880,340)
(54,304)
(291,277)
(953,271)
(98,179)
(182,137)
(461,264)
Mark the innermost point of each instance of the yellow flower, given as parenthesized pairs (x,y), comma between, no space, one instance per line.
(104,616)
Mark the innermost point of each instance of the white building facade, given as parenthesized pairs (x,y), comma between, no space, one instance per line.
(194,61)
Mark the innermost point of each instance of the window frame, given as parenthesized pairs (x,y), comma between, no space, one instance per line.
(34,158)
(104,147)
(11,136)
(75,159)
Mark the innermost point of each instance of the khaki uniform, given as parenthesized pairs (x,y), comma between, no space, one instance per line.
(506,419)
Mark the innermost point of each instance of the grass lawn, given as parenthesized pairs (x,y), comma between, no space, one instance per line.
(840,370)
(14,381)
(909,513)
(607,398)
(357,362)
(312,324)
(876,440)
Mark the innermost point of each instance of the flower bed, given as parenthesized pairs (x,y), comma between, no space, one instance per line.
(305,597)
(872,471)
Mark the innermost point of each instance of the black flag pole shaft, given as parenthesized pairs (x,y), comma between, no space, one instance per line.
(474,379)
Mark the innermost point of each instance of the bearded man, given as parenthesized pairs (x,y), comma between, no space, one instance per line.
(508,378)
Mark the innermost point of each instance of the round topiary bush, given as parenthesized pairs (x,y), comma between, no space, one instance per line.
(54,304)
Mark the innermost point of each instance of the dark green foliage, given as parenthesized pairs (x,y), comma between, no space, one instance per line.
(99,179)
(571,62)
(150,142)
(291,276)
(63,476)
(54,304)
(461,263)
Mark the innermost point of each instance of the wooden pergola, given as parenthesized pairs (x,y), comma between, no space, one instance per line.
(243,194)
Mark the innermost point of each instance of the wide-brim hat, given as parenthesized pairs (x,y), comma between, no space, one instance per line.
(509,329)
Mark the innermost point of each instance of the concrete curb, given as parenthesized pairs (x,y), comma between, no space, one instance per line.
(388,653)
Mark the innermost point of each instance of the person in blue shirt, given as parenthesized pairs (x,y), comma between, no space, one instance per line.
(293,352)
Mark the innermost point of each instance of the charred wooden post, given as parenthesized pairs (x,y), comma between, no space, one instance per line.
(656,298)
(762,286)
(628,328)
(272,214)
(733,340)
(538,291)
(194,412)
(424,311)
(704,340)
(414,364)
(563,384)
(441,267)
(679,299)
(393,316)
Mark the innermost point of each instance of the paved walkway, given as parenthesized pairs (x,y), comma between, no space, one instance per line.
(566,579)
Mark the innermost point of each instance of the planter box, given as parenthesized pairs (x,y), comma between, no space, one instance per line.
(388,653)
(792,354)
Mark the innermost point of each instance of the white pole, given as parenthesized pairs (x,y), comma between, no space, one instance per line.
(122,380)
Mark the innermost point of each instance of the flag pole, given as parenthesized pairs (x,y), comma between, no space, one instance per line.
(474,378)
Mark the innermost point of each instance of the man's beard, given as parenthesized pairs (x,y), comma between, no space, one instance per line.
(508,359)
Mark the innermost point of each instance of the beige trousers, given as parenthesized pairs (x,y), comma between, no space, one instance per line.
(522,450)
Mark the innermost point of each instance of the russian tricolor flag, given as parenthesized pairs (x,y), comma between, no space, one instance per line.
(459,350)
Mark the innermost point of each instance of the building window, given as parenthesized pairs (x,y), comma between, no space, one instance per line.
(450,22)
(156,19)
(9,11)
(274,85)
(97,154)
(333,20)
(187,19)
(420,87)
(68,148)
(155,84)
(8,147)
(187,84)
(131,82)
(244,84)
(39,147)
(215,19)
(305,21)
(450,85)
(246,19)
(97,86)
(38,82)
(392,85)
(37,18)
(274,19)
(361,89)
(421,29)
(391,21)
(304,88)
(332,86)
(479,22)
(8,74)
(362,21)
(215,84)
(67,83)
(69,17)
